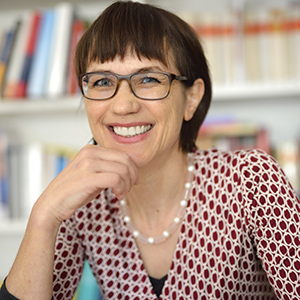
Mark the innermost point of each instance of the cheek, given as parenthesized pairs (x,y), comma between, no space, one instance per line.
(94,110)
(94,114)
(173,119)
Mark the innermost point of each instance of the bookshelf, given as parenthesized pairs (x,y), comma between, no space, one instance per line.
(272,104)
(67,104)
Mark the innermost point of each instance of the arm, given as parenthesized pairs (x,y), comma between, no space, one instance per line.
(92,170)
(275,222)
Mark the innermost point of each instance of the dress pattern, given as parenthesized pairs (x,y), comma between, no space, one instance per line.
(239,238)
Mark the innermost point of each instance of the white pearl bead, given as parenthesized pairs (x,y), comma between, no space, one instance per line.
(188,185)
(177,220)
(150,240)
(183,203)
(126,219)
(135,233)
(166,234)
(191,168)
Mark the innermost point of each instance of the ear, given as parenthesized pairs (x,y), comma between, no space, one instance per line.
(194,96)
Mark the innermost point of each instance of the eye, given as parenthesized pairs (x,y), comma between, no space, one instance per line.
(99,81)
(150,79)
(102,82)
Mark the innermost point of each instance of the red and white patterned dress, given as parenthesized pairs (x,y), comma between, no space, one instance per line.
(240,238)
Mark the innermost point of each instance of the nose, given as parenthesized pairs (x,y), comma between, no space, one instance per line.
(125,102)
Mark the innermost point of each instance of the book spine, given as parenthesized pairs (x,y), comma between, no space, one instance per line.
(30,50)
(40,63)
(56,84)
(25,171)
(252,64)
(4,208)
(78,28)
(13,178)
(14,68)
(7,54)
(293,36)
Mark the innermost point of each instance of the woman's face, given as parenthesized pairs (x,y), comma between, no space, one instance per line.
(144,129)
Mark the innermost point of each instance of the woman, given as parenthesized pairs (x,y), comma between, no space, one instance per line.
(154,216)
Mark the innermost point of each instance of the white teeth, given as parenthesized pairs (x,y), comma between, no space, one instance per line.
(131,131)
(124,131)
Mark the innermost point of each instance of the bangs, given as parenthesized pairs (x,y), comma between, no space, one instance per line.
(121,28)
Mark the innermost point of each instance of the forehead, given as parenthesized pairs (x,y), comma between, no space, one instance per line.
(131,63)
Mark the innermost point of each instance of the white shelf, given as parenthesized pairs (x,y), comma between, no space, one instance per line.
(12,228)
(257,91)
(40,106)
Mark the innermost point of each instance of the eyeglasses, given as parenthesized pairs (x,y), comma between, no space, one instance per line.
(147,85)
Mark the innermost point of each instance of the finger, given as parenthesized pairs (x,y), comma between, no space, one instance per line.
(122,158)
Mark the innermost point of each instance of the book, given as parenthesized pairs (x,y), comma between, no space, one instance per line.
(277,51)
(293,36)
(14,68)
(227,133)
(30,169)
(252,63)
(78,28)
(29,54)
(288,156)
(37,79)
(4,209)
(9,42)
(14,182)
(56,84)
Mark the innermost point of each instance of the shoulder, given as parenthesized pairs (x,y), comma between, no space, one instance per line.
(241,167)
(236,159)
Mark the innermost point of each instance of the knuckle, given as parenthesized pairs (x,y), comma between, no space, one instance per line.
(116,180)
(126,158)
(124,170)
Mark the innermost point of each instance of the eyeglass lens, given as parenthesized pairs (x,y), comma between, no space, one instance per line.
(100,86)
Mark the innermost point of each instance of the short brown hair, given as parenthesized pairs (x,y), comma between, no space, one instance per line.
(149,31)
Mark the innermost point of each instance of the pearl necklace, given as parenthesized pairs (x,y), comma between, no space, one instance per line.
(176,221)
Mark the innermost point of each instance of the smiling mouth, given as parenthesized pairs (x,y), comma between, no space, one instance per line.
(131,131)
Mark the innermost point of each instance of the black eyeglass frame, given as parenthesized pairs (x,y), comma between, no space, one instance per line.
(128,77)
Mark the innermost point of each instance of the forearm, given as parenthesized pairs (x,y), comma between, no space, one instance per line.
(92,170)
(32,272)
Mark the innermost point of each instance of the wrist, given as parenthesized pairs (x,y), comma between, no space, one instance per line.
(43,217)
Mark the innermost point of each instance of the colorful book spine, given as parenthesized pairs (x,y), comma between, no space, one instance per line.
(14,68)
(30,50)
(78,28)
(56,84)
(229,134)
(40,65)
(7,50)
(25,171)
(4,209)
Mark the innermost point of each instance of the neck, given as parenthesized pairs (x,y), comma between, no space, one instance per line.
(155,221)
(155,200)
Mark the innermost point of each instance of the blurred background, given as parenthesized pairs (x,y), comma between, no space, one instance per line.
(252,47)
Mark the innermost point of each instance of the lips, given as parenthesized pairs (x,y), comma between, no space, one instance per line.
(131,131)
